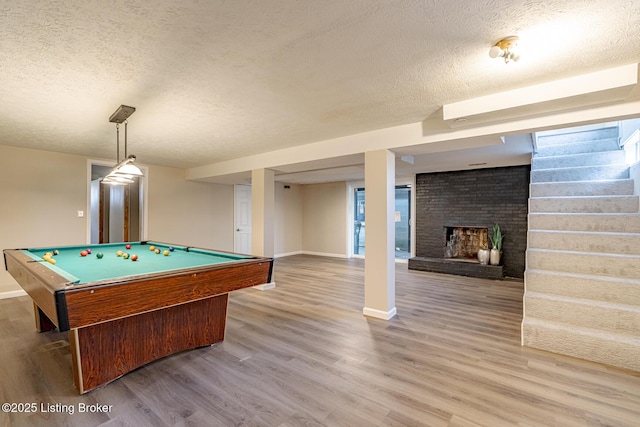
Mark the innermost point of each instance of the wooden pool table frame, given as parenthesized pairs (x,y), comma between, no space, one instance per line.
(118,325)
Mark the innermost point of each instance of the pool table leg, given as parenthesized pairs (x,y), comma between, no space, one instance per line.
(43,323)
(105,351)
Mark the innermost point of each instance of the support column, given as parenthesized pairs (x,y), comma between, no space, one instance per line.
(379,261)
(262,216)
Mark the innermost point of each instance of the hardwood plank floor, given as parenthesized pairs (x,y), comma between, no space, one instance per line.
(303,354)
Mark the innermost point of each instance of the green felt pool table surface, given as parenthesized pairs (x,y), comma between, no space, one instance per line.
(87,269)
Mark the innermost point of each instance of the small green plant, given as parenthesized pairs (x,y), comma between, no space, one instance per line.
(496,238)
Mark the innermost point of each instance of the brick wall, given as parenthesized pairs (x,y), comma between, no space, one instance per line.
(476,198)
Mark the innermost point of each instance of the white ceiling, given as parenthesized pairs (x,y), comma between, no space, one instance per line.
(218,80)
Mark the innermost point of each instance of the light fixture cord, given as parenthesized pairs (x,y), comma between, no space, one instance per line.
(117,143)
(125,138)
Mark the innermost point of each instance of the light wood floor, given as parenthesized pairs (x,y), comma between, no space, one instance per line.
(303,354)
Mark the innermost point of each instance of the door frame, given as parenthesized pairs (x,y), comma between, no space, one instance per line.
(144,185)
(351,186)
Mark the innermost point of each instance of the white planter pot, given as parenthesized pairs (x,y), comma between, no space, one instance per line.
(494,258)
(483,256)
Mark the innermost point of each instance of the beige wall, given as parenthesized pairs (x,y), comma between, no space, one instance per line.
(288,219)
(324,225)
(41,192)
(189,212)
(40,195)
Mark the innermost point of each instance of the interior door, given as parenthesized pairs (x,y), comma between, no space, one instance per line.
(242,219)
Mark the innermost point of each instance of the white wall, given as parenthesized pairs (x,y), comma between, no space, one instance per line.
(324,225)
(635,175)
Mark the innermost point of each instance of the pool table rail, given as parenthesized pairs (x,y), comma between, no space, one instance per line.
(117,325)
(39,281)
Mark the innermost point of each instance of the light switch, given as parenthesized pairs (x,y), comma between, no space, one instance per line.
(80,214)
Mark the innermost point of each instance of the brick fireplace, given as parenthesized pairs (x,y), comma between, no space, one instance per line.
(471,199)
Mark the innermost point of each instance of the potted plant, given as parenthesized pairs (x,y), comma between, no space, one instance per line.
(496,242)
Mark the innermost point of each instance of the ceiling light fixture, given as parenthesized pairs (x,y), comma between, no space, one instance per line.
(125,170)
(506,48)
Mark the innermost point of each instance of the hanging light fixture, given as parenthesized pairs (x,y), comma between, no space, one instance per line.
(125,170)
(506,48)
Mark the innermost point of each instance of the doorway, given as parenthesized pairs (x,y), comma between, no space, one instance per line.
(402,221)
(242,219)
(115,212)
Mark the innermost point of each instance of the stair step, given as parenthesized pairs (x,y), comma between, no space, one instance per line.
(619,350)
(610,265)
(581,173)
(599,315)
(578,135)
(610,144)
(614,290)
(622,223)
(610,187)
(582,159)
(585,241)
(585,204)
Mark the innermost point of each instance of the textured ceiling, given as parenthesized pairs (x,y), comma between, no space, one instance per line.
(216,80)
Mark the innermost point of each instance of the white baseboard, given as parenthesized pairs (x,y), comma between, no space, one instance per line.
(379,314)
(325,254)
(12,294)
(265,286)
(288,254)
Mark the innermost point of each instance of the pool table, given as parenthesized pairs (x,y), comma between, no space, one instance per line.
(122,314)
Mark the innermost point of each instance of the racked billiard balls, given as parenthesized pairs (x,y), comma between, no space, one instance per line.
(99,255)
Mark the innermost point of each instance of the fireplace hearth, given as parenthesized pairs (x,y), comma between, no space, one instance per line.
(460,254)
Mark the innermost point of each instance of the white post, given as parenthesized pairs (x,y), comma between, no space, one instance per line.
(379,271)
(262,216)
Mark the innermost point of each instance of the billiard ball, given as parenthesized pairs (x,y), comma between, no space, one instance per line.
(56,252)
(99,255)
(83,253)
(152,248)
(125,255)
(165,253)
(134,257)
(171,248)
(157,251)
(119,253)
(128,246)
(89,251)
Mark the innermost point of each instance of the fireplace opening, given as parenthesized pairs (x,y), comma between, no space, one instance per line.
(463,243)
